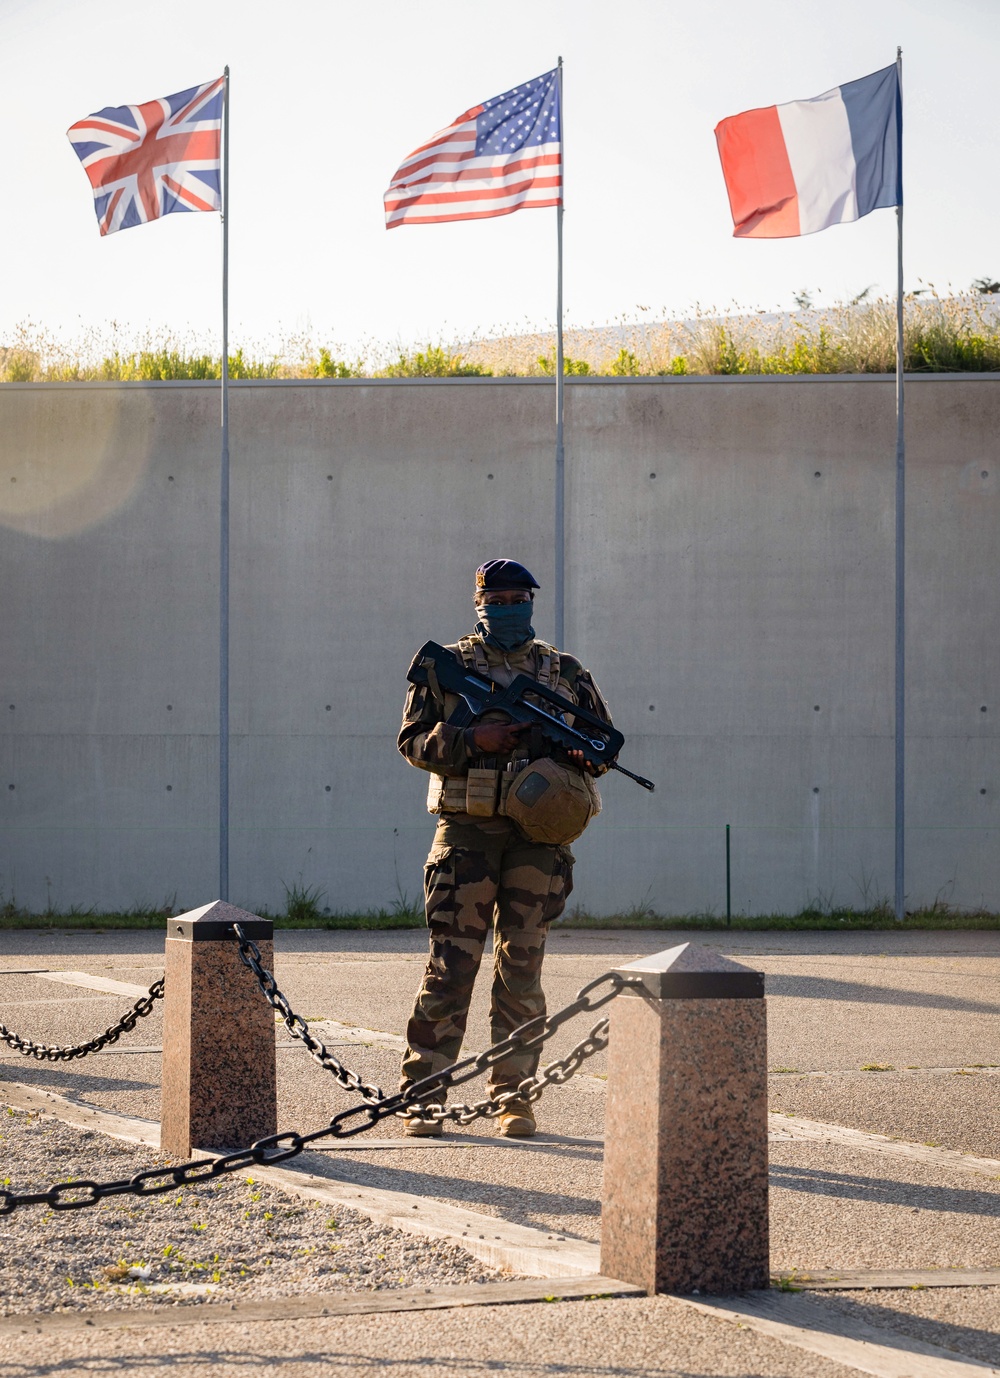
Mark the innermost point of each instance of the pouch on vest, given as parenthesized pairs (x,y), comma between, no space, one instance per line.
(446,794)
(551,802)
(481,792)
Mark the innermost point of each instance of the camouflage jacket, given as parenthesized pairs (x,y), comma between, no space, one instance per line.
(427,741)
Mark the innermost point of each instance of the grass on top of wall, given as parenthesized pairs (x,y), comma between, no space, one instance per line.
(942,334)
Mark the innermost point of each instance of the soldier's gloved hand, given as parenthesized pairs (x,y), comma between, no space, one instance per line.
(497,738)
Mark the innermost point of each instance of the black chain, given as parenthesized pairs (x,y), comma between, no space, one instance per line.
(278,1148)
(45,1052)
(297,1026)
(554,1074)
(533,1033)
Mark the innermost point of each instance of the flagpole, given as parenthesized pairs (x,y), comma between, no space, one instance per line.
(560,389)
(224,524)
(900,554)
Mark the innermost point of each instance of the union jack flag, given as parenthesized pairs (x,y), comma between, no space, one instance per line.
(149,160)
(502,156)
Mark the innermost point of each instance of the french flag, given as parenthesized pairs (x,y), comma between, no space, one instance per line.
(797,168)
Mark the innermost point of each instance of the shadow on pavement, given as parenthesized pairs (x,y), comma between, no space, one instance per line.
(352,1364)
(51,1078)
(952,1200)
(828,988)
(437,1186)
(963,1339)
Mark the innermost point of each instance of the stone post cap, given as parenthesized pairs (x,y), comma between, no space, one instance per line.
(214,922)
(691,972)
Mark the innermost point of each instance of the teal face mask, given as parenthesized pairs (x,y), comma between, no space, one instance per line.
(506,625)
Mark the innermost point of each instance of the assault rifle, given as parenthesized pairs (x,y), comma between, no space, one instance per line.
(600,742)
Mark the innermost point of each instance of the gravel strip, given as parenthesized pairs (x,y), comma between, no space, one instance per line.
(236,1238)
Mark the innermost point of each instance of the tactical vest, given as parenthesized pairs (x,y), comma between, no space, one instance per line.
(483,791)
(473,654)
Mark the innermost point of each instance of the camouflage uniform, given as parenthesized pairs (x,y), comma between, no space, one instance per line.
(480,869)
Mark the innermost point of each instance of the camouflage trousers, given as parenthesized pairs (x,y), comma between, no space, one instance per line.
(477,874)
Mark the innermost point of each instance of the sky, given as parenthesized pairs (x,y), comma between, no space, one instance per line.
(328,97)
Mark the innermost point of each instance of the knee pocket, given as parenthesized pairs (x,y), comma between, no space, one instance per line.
(438,863)
(459,889)
(448,865)
(439,883)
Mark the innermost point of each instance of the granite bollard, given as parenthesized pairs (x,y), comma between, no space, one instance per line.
(218,1034)
(685,1158)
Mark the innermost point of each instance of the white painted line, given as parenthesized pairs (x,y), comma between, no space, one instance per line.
(351,1034)
(323,1304)
(335,1034)
(805,1323)
(540,1142)
(88,982)
(116,1051)
(968,1069)
(55,1000)
(785,1127)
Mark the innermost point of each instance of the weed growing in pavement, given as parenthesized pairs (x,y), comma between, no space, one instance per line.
(639,914)
(878,1067)
(302,904)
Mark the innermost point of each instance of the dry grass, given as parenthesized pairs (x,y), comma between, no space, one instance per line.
(958,333)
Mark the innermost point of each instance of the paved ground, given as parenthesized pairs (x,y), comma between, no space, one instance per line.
(923,1006)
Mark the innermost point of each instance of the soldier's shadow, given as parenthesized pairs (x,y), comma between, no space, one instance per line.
(517,1203)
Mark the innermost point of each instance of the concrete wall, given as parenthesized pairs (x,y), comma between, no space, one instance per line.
(729,582)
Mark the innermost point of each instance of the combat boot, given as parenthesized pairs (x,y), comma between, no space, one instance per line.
(517,1120)
(416,1128)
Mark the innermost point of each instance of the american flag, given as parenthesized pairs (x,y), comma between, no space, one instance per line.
(149,160)
(504,155)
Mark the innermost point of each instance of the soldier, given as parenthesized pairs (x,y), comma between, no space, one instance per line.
(481,865)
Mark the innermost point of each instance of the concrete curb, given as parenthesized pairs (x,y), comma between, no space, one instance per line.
(323,1304)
